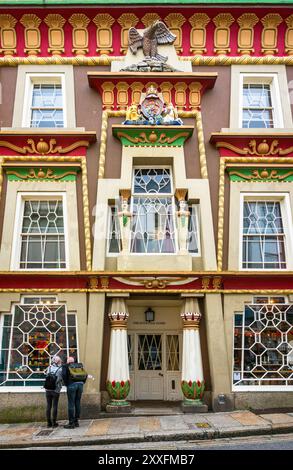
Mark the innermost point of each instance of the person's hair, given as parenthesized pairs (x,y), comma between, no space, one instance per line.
(70,359)
(56,360)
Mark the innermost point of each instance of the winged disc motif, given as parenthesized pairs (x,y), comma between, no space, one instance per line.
(157,33)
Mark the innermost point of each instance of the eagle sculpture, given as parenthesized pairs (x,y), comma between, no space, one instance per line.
(157,33)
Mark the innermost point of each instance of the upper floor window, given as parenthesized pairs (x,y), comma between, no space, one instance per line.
(34,331)
(114,235)
(44,101)
(153,209)
(260,102)
(41,240)
(264,233)
(193,241)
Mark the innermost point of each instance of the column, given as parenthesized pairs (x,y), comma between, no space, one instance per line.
(118,383)
(192,381)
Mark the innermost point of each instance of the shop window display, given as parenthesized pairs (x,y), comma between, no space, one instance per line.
(263,344)
(35,330)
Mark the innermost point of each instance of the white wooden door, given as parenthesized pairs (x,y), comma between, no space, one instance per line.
(149,374)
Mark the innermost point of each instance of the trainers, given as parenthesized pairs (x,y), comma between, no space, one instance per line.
(69,426)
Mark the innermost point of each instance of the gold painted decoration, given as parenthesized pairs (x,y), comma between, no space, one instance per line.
(154,137)
(136,90)
(122,95)
(289,35)
(217,282)
(257,149)
(103,22)
(263,174)
(205,282)
(32,33)
(199,22)
(43,147)
(247,21)
(269,35)
(41,174)
(126,21)
(175,22)
(55,23)
(108,95)
(149,18)
(195,94)
(80,38)
(166,89)
(180,94)
(181,194)
(8,34)
(105,280)
(93,283)
(223,22)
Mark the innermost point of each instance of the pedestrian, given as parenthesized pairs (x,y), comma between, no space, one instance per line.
(74,377)
(53,386)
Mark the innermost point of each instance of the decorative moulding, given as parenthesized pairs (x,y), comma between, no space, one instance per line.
(152,136)
(126,21)
(150,18)
(247,21)
(80,38)
(269,35)
(223,21)
(8,34)
(104,21)
(55,23)
(199,22)
(289,35)
(260,174)
(41,174)
(175,22)
(32,33)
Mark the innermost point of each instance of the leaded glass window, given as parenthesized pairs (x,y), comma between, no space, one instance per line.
(153,210)
(47,105)
(42,244)
(172,352)
(263,344)
(35,331)
(263,237)
(257,111)
(114,235)
(149,352)
(193,230)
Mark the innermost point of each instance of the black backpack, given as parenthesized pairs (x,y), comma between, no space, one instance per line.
(50,380)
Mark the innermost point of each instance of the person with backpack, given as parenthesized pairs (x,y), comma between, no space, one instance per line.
(74,377)
(53,385)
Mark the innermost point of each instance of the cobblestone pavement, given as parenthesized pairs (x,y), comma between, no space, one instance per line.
(138,429)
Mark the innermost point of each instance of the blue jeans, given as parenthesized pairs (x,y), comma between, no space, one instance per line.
(74,392)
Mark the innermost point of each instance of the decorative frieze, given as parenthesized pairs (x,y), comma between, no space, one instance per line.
(108,95)
(104,22)
(195,94)
(223,21)
(8,34)
(260,174)
(43,147)
(41,174)
(289,35)
(199,22)
(247,21)
(180,94)
(126,21)
(166,90)
(80,38)
(175,21)
(150,18)
(32,35)
(136,90)
(55,23)
(146,136)
(269,35)
(122,95)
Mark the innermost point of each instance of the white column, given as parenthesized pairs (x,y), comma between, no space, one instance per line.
(192,381)
(118,383)
(182,220)
(125,220)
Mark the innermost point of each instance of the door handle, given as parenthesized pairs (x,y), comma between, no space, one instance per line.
(161,375)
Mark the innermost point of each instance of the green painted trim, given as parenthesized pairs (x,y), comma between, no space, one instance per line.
(144,2)
(152,136)
(260,174)
(36,174)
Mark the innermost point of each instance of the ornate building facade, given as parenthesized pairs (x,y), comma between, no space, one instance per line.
(146,168)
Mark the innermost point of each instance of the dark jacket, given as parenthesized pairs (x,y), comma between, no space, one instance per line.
(67,380)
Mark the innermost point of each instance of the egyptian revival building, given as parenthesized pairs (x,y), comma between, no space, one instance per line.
(146,169)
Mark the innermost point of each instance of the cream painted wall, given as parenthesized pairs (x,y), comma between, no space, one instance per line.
(9,225)
(198,189)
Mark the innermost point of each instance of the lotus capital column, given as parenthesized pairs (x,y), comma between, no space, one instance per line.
(118,381)
(192,381)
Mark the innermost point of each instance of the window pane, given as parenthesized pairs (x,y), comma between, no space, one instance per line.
(257,106)
(47,106)
(114,236)
(152,181)
(193,232)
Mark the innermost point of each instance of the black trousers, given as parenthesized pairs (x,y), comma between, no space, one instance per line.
(52,400)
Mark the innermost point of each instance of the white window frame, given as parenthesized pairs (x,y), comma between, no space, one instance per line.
(265,79)
(16,244)
(32,79)
(37,388)
(254,388)
(284,200)
(171,195)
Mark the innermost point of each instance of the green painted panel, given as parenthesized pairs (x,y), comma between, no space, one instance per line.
(148,137)
(261,174)
(41,174)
